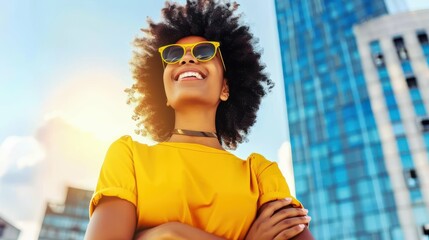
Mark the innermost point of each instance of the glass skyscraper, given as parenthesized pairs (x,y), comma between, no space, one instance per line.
(342,172)
(68,220)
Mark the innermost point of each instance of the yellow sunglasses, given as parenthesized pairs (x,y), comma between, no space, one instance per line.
(202,51)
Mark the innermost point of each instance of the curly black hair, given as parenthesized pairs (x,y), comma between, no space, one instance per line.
(245,75)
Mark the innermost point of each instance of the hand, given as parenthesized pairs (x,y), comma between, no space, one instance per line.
(176,231)
(162,232)
(278,220)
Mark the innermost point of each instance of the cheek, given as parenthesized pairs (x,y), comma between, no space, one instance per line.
(218,73)
(219,68)
(165,75)
(166,81)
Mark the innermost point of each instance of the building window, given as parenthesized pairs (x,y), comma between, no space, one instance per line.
(2,228)
(424,124)
(402,144)
(378,59)
(416,195)
(411,82)
(425,229)
(411,178)
(377,56)
(407,160)
(406,68)
(419,108)
(400,48)
(398,129)
(423,38)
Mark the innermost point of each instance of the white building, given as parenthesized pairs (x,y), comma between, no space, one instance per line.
(394,50)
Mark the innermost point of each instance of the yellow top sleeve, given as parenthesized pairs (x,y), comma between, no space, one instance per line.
(272,184)
(117,174)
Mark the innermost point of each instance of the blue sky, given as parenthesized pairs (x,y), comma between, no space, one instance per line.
(63,68)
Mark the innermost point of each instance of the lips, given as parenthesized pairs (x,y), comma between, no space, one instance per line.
(189,74)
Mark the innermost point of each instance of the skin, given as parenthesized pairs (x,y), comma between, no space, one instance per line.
(280,220)
(195,103)
(113,218)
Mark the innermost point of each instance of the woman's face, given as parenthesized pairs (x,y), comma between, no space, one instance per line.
(191,83)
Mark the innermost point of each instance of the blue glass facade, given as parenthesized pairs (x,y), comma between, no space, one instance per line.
(423,38)
(339,166)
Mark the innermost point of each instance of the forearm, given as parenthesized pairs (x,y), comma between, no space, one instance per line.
(184,231)
(176,231)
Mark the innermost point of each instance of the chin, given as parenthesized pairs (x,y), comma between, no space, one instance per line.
(197,99)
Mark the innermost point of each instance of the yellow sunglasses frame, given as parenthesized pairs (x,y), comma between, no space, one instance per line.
(191,45)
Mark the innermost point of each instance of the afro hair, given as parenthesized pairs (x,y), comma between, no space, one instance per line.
(247,82)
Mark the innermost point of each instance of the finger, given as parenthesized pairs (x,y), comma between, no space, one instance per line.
(268,209)
(288,212)
(293,221)
(290,232)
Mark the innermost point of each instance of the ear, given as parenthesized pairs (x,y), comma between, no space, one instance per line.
(224,94)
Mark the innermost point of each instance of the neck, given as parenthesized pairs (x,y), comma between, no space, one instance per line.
(202,120)
(209,142)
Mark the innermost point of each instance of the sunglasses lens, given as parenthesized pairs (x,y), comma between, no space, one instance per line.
(204,51)
(172,54)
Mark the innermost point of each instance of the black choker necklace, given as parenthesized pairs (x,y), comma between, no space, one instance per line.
(194,133)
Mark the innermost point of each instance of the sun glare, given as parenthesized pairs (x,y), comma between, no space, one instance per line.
(94,103)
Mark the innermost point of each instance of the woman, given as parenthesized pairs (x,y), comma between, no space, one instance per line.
(194,99)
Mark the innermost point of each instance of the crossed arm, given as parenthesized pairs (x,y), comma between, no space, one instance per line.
(115,218)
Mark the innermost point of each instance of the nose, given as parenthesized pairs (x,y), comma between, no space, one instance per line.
(188,58)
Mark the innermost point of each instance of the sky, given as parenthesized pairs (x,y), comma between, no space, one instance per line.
(63,68)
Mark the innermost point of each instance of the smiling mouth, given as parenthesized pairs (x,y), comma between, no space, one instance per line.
(190,75)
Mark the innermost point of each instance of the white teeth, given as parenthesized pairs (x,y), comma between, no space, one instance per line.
(190,74)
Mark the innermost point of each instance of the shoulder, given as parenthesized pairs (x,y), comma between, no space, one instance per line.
(259,163)
(127,141)
(125,148)
(271,182)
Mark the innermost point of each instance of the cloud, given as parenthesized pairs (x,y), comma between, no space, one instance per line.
(73,156)
(19,153)
(37,169)
(21,168)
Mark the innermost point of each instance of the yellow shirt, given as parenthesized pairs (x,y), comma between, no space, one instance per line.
(201,186)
